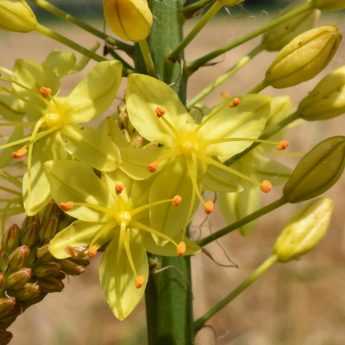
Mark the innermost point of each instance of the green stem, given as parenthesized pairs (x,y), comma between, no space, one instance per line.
(195,65)
(58,12)
(212,11)
(259,87)
(252,278)
(146,53)
(226,76)
(246,220)
(69,43)
(189,10)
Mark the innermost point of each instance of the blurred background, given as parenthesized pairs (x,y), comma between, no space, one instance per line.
(299,303)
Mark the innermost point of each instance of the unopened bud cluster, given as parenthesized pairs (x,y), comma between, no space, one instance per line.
(28,272)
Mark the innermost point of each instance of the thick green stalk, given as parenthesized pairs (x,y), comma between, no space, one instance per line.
(168,295)
(252,278)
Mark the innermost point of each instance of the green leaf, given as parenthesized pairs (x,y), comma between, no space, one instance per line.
(235,206)
(77,235)
(247,120)
(118,279)
(172,180)
(90,146)
(96,92)
(147,93)
(218,180)
(76,182)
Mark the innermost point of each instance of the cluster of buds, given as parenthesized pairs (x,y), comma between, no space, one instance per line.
(28,272)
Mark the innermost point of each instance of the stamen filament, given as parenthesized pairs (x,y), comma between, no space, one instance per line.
(226,168)
(148,206)
(254,140)
(129,253)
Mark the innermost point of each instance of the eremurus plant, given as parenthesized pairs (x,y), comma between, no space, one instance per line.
(128,188)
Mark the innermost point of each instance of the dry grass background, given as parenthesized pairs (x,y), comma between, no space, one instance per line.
(301,303)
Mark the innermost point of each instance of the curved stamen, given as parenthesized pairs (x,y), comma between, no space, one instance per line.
(254,140)
(143,208)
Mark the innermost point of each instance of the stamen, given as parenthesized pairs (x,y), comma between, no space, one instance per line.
(156,203)
(160,112)
(20,153)
(266,186)
(46,92)
(235,102)
(139,281)
(67,206)
(176,200)
(181,248)
(229,140)
(283,145)
(119,188)
(209,206)
(153,167)
(92,251)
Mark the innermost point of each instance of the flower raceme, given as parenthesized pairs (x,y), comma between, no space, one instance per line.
(56,131)
(111,211)
(192,154)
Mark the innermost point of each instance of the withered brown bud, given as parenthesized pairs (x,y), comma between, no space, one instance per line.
(51,284)
(49,269)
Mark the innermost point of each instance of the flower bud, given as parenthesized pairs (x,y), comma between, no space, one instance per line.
(18,258)
(305,230)
(7,305)
(30,231)
(16,15)
(327,99)
(329,4)
(5,337)
(30,291)
(51,284)
(318,170)
(277,38)
(49,269)
(10,239)
(71,268)
(131,20)
(18,279)
(304,57)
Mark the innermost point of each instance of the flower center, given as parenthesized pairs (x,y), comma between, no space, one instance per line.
(189,143)
(124,217)
(56,115)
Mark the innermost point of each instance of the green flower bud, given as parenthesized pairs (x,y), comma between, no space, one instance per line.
(7,305)
(2,280)
(18,279)
(5,337)
(131,20)
(30,231)
(43,253)
(329,4)
(50,229)
(305,230)
(47,270)
(18,258)
(318,170)
(16,15)
(277,38)
(11,238)
(304,57)
(327,99)
(51,284)
(30,291)
(71,268)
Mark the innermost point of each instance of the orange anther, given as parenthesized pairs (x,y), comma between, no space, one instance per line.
(153,167)
(283,145)
(66,206)
(236,102)
(71,251)
(160,112)
(46,92)
(92,251)
(266,186)
(139,282)
(20,153)
(119,188)
(176,200)
(181,248)
(209,206)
